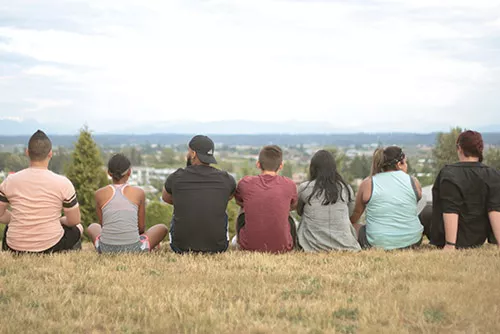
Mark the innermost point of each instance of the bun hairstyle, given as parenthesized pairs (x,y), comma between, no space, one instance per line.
(386,159)
(471,143)
(118,166)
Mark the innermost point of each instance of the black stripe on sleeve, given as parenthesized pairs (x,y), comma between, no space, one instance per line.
(3,198)
(70,202)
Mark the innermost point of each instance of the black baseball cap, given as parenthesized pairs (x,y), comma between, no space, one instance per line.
(204,148)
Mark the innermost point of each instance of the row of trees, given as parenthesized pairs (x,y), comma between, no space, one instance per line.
(445,150)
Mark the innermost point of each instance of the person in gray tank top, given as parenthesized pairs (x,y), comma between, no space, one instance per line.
(121,213)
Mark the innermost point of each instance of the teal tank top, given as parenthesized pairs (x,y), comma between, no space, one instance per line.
(391,213)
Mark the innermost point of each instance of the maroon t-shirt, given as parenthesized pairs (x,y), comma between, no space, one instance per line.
(266,200)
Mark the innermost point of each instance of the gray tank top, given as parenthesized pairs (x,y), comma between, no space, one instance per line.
(119,219)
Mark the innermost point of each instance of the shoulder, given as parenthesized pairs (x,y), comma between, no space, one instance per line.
(366,184)
(178,173)
(136,190)
(493,173)
(225,175)
(292,185)
(246,180)
(304,185)
(285,179)
(102,191)
(60,179)
(347,188)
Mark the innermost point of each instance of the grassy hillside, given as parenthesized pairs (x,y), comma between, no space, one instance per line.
(386,292)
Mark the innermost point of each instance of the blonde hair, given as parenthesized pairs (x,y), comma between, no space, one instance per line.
(377,161)
(385,159)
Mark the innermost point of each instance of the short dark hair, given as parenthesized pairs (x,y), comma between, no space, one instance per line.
(270,158)
(39,146)
(118,166)
(471,143)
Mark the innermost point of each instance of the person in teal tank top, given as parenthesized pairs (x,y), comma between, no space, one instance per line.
(390,198)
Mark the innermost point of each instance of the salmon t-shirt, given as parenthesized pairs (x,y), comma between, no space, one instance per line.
(37,197)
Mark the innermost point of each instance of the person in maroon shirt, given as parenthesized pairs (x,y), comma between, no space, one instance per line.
(266,201)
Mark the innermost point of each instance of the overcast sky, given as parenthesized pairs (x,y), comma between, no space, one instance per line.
(408,65)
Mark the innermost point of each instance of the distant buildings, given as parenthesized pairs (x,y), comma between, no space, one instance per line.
(142,176)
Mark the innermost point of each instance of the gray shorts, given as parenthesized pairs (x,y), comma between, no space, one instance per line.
(140,246)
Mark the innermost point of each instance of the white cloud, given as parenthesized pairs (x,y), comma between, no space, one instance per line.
(263,60)
(44,104)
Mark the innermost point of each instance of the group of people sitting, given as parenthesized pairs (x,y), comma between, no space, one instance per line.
(465,209)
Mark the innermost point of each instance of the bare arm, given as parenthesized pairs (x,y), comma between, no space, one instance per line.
(4,214)
(495,224)
(450,229)
(360,205)
(71,216)
(419,188)
(166,197)
(141,219)
(98,207)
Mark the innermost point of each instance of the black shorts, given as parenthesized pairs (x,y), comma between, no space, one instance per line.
(70,238)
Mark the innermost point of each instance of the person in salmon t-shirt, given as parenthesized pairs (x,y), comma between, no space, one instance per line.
(266,200)
(36,197)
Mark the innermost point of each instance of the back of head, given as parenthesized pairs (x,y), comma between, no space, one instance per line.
(386,159)
(322,165)
(270,158)
(118,166)
(39,146)
(471,143)
(323,170)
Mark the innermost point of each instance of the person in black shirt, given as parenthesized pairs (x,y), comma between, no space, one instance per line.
(466,199)
(199,194)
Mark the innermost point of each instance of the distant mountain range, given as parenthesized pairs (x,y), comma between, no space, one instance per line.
(344,140)
(10,127)
(228,133)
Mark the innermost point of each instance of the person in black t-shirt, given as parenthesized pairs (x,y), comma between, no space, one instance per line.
(199,194)
(466,199)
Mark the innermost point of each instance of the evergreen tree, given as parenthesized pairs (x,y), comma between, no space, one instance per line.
(287,169)
(158,213)
(60,159)
(87,174)
(445,150)
(16,162)
(493,158)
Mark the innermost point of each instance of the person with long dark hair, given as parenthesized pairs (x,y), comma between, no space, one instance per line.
(466,199)
(325,204)
(390,198)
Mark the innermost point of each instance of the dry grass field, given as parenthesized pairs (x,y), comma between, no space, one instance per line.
(424,291)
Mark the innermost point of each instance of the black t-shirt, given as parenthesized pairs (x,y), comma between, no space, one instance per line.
(471,190)
(200,195)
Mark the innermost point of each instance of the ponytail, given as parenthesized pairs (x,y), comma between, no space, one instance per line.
(377,161)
